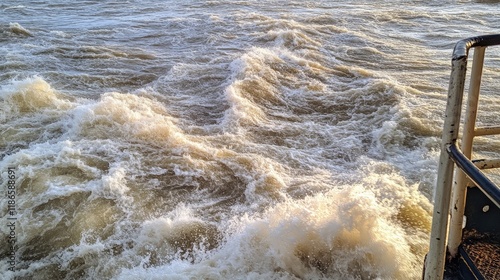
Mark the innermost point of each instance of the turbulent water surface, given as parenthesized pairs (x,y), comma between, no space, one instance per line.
(226,139)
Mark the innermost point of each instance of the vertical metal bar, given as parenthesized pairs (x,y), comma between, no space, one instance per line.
(434,265)
(461,181)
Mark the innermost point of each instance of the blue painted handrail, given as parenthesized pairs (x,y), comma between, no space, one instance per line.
(489,188)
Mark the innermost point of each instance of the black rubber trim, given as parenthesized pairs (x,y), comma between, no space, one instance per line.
(461,48)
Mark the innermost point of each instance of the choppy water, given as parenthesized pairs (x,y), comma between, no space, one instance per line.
(226,139)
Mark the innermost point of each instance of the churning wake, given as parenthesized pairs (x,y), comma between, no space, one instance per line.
(222,140)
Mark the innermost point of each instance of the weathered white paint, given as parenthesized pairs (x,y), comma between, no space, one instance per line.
(435,261)
(461,181)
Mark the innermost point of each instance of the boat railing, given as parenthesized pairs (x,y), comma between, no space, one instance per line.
(451,187)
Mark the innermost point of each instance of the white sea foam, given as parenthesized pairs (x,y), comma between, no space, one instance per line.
(30,96)
(16,28)
(363,230)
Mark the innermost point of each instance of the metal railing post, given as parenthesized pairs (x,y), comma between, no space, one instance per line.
(435,261)
(461,181)
(450,155)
